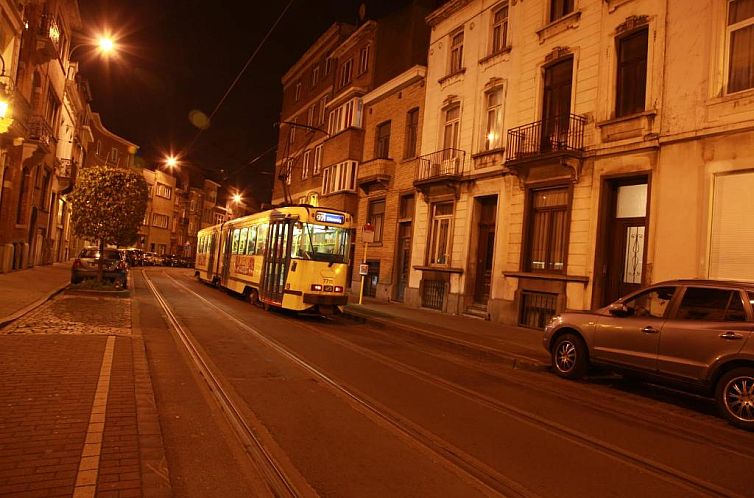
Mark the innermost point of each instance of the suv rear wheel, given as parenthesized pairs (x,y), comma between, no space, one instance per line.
(735,397)
(570,357)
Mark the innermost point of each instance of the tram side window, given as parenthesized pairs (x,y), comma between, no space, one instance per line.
(261,238)
(234,247)
(242,241)
(251,244)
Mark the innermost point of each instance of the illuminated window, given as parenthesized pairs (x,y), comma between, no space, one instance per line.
(547,229)
(345,116)
(317,160)
(163,190)
(306,162)
(494,120)
(160,220)
(339,177)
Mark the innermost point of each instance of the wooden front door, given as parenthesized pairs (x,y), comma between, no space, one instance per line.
(485,249)
(403,260)
(556,104)
(626,239)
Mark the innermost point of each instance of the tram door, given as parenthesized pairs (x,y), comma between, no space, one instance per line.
(226,253)
(211,258)
(277,257)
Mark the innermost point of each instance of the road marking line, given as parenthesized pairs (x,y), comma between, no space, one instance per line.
(86,479)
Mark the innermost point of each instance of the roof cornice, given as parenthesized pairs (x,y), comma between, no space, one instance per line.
(447,10)
(329,37)
(358,35)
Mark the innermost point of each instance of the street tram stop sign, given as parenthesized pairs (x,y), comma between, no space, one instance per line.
(367,233)
(364,270)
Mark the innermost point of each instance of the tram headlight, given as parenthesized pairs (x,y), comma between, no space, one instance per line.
(317,287)
(338,288)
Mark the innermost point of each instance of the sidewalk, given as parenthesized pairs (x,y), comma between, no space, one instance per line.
(24,289)
(78,414)
(506,340)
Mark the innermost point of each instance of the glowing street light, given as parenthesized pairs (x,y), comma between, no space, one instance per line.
(171,162)
(104,44)
(237,198)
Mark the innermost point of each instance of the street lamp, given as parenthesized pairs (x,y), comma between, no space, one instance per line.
(171,162)
(105,44)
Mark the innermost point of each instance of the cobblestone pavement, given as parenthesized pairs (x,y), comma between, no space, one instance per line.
(74,314)
(77,414)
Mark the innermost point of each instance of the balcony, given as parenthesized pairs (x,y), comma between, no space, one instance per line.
(375,174)
(48,39)
(65,170)
(558,142)
(440,172)
(41,132)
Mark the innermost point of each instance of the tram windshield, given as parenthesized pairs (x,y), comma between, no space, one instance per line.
(320,243)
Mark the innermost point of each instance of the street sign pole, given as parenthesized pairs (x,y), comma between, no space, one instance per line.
(367,234)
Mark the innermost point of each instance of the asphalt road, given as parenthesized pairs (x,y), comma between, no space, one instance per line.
(309,406)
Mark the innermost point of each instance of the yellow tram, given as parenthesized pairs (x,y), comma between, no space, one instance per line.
(292,257)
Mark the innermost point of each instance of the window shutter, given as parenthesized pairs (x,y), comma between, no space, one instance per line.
(732,230)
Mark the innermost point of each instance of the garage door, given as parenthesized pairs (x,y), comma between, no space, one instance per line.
(732,238)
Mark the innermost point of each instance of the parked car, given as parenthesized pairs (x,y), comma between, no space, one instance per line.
(150,259)
(135,257)
(169,260)
(693,334)
(114,266)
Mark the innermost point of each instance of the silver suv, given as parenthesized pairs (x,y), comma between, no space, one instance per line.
(691,333)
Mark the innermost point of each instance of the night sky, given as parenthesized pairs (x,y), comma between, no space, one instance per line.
(180,55)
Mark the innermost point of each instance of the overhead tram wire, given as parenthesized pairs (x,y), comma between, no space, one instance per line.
(238,77)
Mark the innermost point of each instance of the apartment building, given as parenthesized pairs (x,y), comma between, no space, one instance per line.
(574,151)
(392,139)
(307,88)
(108,148)
(36,174)
(156,233)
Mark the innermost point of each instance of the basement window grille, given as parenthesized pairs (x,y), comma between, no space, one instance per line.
(433,294)
(537,308)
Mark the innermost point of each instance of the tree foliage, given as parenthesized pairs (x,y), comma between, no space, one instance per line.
(108,204)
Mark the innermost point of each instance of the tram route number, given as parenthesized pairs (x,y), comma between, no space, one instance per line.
(364,270)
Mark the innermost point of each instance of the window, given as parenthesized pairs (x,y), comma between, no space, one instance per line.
(714,305)
(292,131)
(261,239)
(315,75)
(456,52)
(440,235)
(382,141)
(345,116)
(452,124)
(499,29)
(310,115)
(740,42)
(236,236)
(364,60)
(113,158)
(314,199)
(99,148)
(288,170)
(732,233)
(493,136)
(322,109)
(163,190)
(252,240)
(560,8)
(412,133)
(298,91)
(632,73)
(23,197)
(160,220)
(306,162)
(339,177)
(317,160)
(328,65)
(547,230)
(653,302)
(345,73)
(406,211)
(376,218)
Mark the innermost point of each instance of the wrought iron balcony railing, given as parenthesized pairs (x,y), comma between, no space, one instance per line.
(560,134)
(441,164)
(40,130)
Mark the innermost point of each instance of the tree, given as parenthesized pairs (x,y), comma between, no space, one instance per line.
(108,205)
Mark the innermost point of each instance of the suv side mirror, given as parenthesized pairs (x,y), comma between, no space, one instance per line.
(619,309)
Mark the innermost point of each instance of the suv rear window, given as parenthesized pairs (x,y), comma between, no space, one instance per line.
(712,305)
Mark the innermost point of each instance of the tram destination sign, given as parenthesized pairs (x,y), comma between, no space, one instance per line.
(325,217)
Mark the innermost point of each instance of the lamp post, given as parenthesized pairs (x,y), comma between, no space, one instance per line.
(105,45)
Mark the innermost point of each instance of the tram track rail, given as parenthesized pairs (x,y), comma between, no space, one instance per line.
(584,395)
(278,481)
(660,470)
(478,474)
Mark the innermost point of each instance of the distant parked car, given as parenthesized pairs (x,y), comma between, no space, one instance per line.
(135,257)
(695,334)
(150,259)
(114,265)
